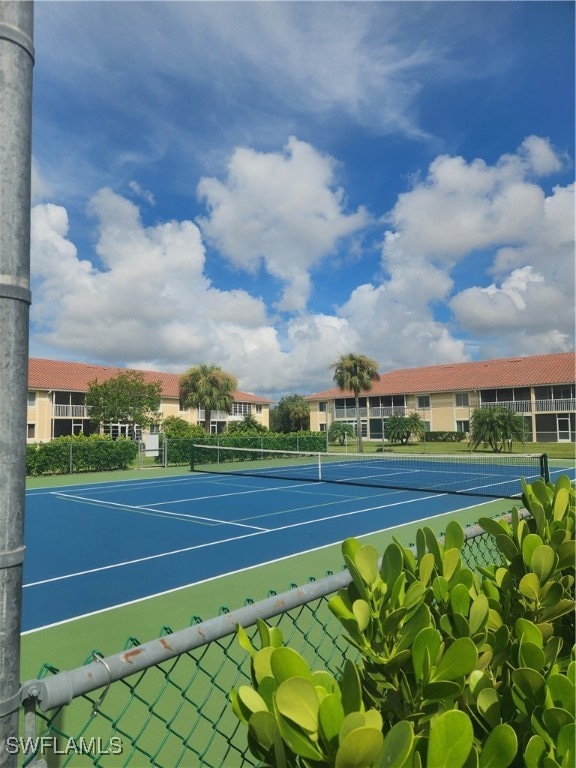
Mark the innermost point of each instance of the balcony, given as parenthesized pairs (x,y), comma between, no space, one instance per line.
(349,413)
(384,412)
(70,412)
(519,406)
(556,406)
(378,412)
(214,415)
(563,405)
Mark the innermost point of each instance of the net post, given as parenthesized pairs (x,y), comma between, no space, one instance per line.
(544,467)
(319,466)
(192,457)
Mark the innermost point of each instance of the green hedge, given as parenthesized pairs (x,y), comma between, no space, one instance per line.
(444,437)
(271,441)
(79,454)
(179,449)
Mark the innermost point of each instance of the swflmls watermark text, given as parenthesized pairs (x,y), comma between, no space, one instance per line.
(43,745)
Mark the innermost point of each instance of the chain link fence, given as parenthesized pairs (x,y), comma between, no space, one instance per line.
(166,702)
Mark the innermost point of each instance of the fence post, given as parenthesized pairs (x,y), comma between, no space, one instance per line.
(16,64)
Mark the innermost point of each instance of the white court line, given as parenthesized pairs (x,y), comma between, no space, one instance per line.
(120,485)
(281,488)
(257,532)
(156,512)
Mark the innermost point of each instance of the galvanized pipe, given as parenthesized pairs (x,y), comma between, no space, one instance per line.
(16,64)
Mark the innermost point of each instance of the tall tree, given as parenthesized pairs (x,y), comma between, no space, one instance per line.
(208,387)
(125,399)
(496,426)
(356,373)
(292,414)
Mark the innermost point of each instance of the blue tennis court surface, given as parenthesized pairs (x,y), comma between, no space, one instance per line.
(93,547)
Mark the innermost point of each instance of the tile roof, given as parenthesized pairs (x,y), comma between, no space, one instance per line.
(464,377)
(75,377)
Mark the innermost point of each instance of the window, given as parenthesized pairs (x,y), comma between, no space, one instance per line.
(364,426)
(31,399)
(258,409)
(181,406)
(462,425)
(557,392)
(461,399)
(241,409)
(423,401)
(322,407)
(31,434)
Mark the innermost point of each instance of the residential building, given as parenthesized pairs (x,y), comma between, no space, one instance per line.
(57,394)
(541,388)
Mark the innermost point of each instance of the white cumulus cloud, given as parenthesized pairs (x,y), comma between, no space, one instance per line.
(147,299)
(280,211)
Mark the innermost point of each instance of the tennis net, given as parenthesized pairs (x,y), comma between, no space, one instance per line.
(494,475)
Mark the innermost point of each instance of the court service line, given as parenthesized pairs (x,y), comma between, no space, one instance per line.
(157,512)
(257,532)
(281,488)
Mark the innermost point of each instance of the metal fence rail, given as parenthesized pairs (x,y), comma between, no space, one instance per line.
(165,702)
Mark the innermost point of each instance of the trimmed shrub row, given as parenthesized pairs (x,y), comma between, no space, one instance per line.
(271,441)
(444,437)
(64,455)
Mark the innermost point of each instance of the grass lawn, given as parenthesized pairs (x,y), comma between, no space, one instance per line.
(553,450)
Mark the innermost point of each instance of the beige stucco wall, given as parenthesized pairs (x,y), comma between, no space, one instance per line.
(40,415)
(441,416)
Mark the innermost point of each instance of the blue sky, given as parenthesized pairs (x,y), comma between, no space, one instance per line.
(268,185)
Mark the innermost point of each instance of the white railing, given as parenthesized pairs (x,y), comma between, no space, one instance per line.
(519,406)
(214,415)
(384,412)
(349,413)
(525,406)
(563,405)
(70,411)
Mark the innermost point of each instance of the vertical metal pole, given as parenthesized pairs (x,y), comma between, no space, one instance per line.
(16,63)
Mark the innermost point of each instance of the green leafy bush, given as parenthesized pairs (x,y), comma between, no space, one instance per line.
(458,669)
(444,437)
(271,441)
(79,454)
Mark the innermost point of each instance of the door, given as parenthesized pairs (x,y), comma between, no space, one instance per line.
(563,429)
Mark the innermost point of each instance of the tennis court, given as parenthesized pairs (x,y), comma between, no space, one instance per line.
(93,547)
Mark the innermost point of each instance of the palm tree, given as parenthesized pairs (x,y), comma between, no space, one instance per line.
(248,425)
(340,431)
(416,425)
(355,373)
(398,429)
(496,426)
(208,387)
